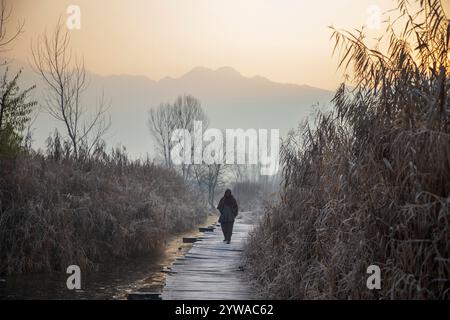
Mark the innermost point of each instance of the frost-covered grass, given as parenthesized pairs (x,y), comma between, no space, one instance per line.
(370,183)
(55,211)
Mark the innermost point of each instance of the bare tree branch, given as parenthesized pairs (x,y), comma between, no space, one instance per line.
(65,77)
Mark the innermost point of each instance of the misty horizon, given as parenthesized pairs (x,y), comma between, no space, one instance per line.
(278,105)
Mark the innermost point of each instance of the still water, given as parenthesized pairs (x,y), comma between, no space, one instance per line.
(112,281)
(109,281)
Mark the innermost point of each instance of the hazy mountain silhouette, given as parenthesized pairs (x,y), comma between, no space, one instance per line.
(230,100)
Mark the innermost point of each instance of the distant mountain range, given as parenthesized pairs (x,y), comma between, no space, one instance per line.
(229,99)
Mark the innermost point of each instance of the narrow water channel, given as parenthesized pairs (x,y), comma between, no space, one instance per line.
(109,281)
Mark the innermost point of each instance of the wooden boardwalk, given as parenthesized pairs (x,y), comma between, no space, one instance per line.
(211,269)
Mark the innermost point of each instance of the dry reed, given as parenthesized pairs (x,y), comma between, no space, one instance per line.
(369,183)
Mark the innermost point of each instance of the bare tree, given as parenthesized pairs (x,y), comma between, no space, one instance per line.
(167,117)
(187,109)
(161,124)
(209,178)
(5,36)
(65,77)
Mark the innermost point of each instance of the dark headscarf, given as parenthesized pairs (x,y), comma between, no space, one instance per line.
(228,200)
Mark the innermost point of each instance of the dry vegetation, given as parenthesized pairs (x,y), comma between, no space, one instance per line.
(370,183)
(56,211)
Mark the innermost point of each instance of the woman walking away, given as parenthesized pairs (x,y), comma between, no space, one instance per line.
(228,211)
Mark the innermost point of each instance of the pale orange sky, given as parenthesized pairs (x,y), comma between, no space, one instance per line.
(283,40)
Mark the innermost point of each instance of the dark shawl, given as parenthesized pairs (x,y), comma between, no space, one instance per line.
(228,200)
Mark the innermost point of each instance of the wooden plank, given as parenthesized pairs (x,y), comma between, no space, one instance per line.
(207,229)
(142,295)
(189,240)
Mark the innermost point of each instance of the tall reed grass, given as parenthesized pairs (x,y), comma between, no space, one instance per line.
(369,183)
